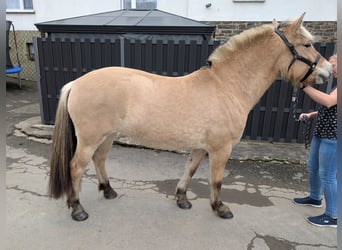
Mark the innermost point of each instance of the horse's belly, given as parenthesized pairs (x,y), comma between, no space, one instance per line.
(166,137)
(157,144)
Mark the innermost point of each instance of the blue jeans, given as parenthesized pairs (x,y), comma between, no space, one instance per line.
(322,166)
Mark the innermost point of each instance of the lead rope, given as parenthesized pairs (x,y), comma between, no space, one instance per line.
(306,122)
(306,132)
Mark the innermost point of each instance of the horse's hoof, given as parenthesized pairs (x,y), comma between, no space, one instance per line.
(222,210)
(108,191)
(227,215)
(78,213)
(184,204)
(110,194)
(80,216)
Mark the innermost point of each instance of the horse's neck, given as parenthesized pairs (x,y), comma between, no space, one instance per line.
(248,76)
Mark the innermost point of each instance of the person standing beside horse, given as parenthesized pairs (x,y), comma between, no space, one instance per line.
(322,164)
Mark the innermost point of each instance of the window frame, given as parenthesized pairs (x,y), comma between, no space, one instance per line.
(21,8)
(134,4)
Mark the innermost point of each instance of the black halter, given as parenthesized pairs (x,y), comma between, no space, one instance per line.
(296,56)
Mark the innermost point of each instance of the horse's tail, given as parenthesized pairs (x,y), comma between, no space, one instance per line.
(62,149)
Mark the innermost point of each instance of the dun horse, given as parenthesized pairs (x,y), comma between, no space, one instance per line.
(203,112)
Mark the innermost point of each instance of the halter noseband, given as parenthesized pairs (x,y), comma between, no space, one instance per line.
(296,56)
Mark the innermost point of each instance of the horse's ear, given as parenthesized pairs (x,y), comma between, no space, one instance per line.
(298,23)
(275,23)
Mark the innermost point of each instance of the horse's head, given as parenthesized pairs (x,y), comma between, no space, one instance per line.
(302,64)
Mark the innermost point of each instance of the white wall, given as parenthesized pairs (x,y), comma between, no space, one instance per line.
(220,10)
(227,10)
(48,10)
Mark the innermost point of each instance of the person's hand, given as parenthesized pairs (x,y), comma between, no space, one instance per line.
(304,116)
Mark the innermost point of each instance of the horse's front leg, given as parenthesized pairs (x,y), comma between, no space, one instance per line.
(191,166)
(217,161)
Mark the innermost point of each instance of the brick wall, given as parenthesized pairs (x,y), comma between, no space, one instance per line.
(323,31)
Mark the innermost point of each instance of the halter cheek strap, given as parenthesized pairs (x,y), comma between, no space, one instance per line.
(296,56)
(312,67)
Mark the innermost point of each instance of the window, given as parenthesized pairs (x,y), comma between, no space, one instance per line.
(19,5)
(139,4)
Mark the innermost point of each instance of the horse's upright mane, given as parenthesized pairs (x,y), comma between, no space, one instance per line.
(239,41)
(246,38)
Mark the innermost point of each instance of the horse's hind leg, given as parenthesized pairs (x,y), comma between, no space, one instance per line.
(217,161)
(99,159)
(77,166)
(191,166)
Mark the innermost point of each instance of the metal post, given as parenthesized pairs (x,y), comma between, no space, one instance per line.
(122,51)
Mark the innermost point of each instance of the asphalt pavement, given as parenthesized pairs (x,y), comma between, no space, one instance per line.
(261,179)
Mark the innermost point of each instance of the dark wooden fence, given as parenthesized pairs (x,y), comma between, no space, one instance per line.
(60,61)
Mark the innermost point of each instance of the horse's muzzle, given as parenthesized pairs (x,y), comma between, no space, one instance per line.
(323,73)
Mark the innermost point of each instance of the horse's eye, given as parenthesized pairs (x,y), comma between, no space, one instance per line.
(307,45)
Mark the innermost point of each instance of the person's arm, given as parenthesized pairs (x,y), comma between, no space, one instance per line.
(327,100)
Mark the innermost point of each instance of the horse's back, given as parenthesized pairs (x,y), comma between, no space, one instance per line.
(119,86)
(130,103)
